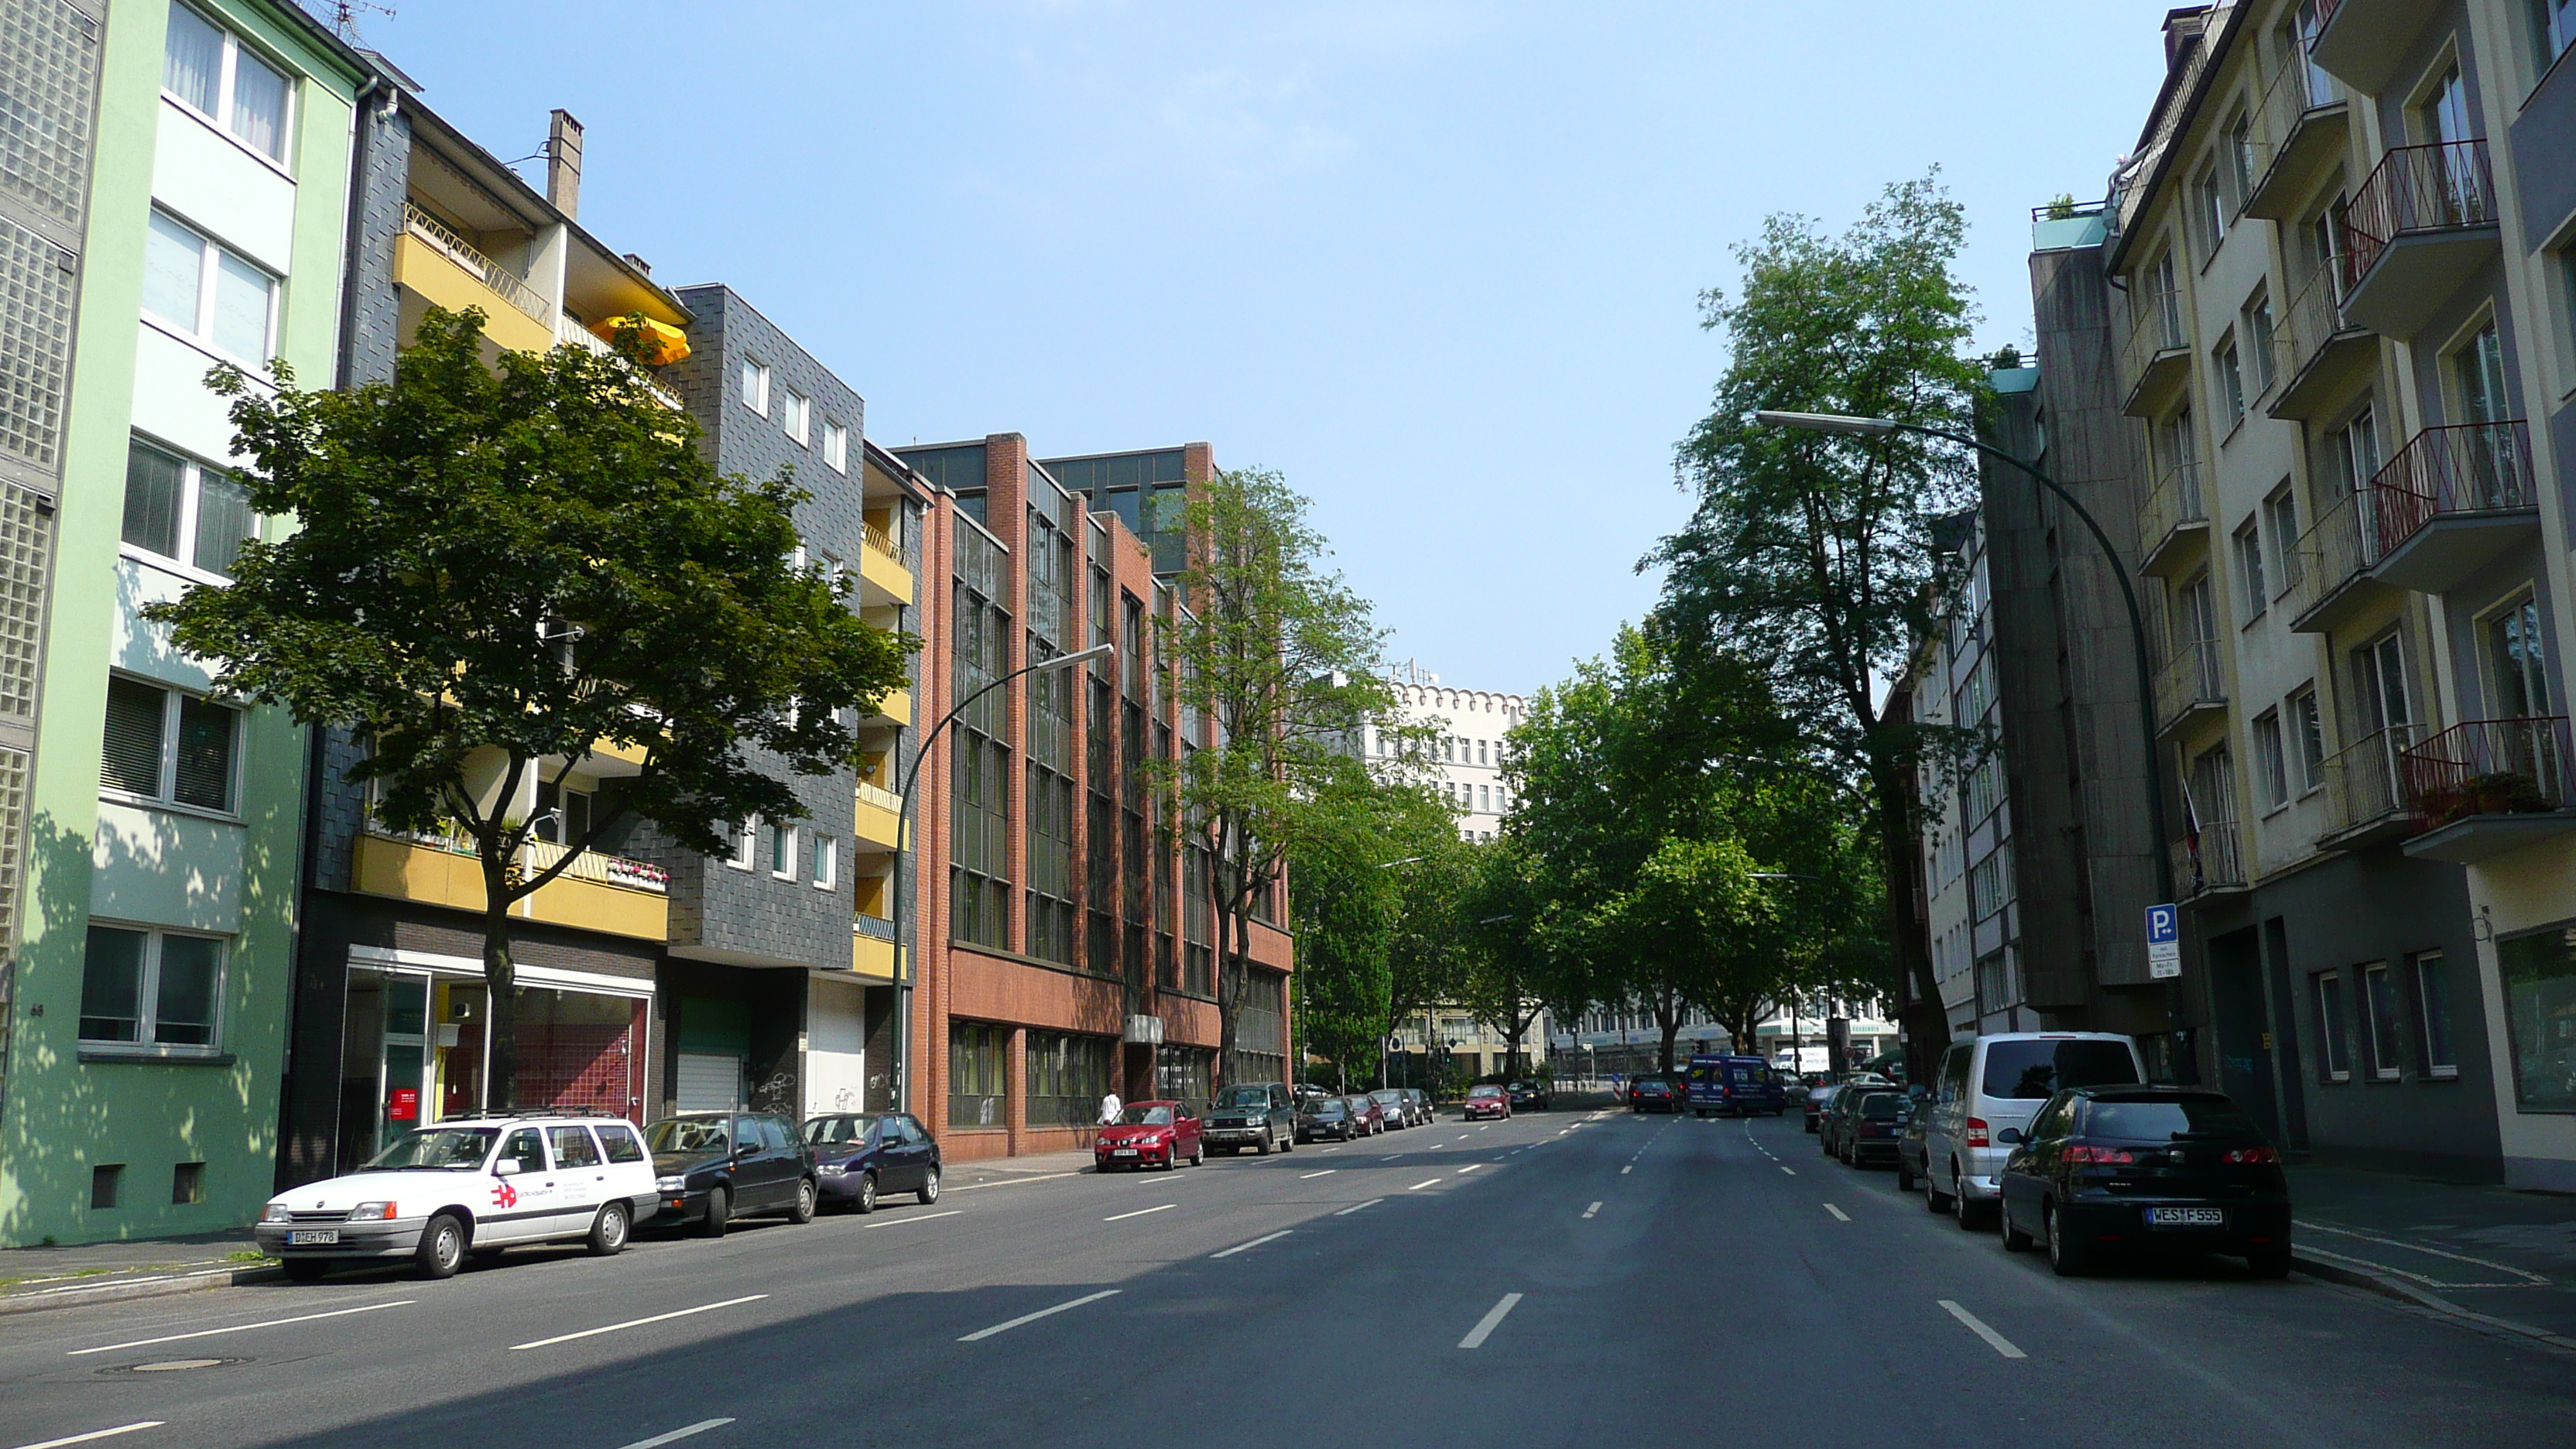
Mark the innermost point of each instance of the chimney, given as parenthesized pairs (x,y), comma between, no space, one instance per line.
(563,163)
(639,264)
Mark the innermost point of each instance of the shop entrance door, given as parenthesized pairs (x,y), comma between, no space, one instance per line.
(384,1059)
(709,1082)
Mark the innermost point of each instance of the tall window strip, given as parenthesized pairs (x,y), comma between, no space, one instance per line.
(980,902)
(1053,896)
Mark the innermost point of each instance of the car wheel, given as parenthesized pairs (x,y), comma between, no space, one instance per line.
(803,1211)
(2070,1259)
(1934,1199)
(1198,1154)
(442,1247)
(2269,1260)
(305,1270)
(1288,1143)
(1969,1212)
(1904,1175)
(719,1212)
(2015,1240)
(1261,1151)
(929,1188)
(867,1202)
(608,1230)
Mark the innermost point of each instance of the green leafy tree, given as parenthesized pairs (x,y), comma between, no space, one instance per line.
(1286,663)
(500,568)
(1810,556)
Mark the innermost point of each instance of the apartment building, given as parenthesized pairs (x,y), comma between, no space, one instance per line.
(2342,255)
(182,203)
(1067,940)
(1467,744)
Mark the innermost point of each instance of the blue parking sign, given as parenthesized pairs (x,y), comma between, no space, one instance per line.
(2164,943)
(2163,924)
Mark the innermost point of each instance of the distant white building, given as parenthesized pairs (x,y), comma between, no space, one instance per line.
(1469,750)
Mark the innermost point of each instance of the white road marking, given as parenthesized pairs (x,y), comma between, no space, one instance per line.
(1977,1326)
(1013,1181)
(1839,1215)
(1596,1207)
(1624,1171)
(1419,1186)
(1355,1207)
(916,1218)
(1255,1243)
(984,1333)
(639,1322)
(1487,1324)
(2528,1278)
(1140,1212)
(1793,1172)
(676,1435)
(1488,1127)
(97,1434)
(236,1328)
(1308,1176)
(1472,1166)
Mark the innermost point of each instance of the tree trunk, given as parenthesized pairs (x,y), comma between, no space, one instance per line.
(1668,1020)
(1925,1023)
(500,975)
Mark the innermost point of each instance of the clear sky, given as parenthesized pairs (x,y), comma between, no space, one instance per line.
(1437,262)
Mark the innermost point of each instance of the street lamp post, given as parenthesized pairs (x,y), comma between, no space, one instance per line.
(903,850)
(1883,427)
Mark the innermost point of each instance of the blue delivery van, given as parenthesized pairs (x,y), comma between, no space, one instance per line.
(1735,1087)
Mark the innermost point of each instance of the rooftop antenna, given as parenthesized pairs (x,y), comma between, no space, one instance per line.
(344,16)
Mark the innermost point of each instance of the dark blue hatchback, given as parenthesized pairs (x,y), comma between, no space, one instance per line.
(860,1155)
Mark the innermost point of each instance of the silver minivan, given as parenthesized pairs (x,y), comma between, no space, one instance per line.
(1991,1086)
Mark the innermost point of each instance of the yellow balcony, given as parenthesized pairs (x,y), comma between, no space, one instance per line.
(600,893)
(894,709)
(875,822)
(883,579)
(871,957)
(455,277)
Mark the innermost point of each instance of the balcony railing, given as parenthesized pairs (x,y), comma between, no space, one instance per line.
(2173,502)
(2156,331)
(2366,780)
(2313,319)
(2437,187)
(2336,549)
(2489,767)
(2190,680)
(2217,864)
(2467,468)
(882,541)
(511,287)
(537,855)
(880,797)
(569,329)
(875,928)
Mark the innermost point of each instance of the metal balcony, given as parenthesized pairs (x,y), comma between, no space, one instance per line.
(2484,787)
(2172,516)
(2216,864)
(2190,685)
(2331,566)
(2417,230)
(2156,359)
(2365,785)
(2363,42)
(2302,127)
(2451,501)
(2319,352)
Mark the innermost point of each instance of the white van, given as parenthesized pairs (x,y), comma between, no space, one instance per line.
(1993,1084)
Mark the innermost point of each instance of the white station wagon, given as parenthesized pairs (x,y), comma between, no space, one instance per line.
(469,1184)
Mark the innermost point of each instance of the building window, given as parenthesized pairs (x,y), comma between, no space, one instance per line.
(746,845)
(978,1075)
(2258,334)
(205,68)
(827,862)
(2553,25)
(2241,165)
(2268,760)
(782,851)
(166,747)
(2356,452)
(796,413)
(2379,1009)
(196,288)
(1066,1076)
(2281,519)
(2210,209)
(187,1184)
(836,446)
(145,988)
(2538,974)
(185,511)
(2334,1060)
(2433,1015)
(2518,675)
(563,814)
(755,386)
(2249,569)
(2231,382)
(2307,739)
(103,1182)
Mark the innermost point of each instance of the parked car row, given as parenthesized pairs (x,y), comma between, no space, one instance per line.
(1363,1114)
(2056,1139)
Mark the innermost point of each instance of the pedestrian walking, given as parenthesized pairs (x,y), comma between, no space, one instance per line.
(1110,1107)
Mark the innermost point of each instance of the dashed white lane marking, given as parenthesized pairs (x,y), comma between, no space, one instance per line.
(916,1218)
(1793,1172)
(1310,1176)
(1472,1166)
(1014,1181)
(1486,1325)
(1140,1212)
(1026,1318)
(96,1434)
(1839,1215)
(1255,1243)
(639,1322)
(1596,1207)
(236,1328)
(1419,1186)
(1624,1171)
(1977,1326)
(1355,1207)
(676,1435)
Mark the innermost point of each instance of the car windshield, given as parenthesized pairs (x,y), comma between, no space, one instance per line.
(1255,1098)
(839,1131)
(2164,1120)
(688,1134)
(456,1149)
(1484,1091)
(1882,1106)
(2034,1071)
(1524,1086)
(1390,1097)
(1327,1108)
(1145,1117)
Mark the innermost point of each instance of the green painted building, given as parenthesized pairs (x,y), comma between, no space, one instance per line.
(153,874)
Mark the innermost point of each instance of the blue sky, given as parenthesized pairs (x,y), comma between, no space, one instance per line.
(1436,262)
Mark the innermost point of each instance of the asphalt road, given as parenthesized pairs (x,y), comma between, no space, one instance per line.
(1559,1279)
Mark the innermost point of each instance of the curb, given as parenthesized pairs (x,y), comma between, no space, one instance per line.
(77,1294)
(2407,1293)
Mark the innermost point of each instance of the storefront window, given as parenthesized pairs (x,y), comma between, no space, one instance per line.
(978,1075)
(2539,976)
(1184,1074)
(1068,1075)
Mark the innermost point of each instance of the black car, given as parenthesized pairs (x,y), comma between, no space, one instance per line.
(713,1167)
(1912,1155)
(1868,1132)
(1528,1096)
(858,1156)
(1837,1121)
(1322,1117)
(2171,1169)
(1656,1092)
(1258,1115)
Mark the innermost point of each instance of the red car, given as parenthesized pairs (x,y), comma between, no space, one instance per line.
(1368,1119)
(1150,1134)
(1488,1100)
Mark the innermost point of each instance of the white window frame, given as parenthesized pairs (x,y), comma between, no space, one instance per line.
(2305,724)
(836,446)
(2334,1049)
(200,329)
(796,414)
(148,1002)
(2228,361)
(755,386)
(2271,760)
(224,81)
(2427,1005)
(782,851)
(2384,1063)
(746,844)
(2249,566)
(192,479)
(166,790)
(827,862)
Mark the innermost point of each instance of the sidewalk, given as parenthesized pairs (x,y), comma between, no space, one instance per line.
(33,1278)
(2507,1259)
